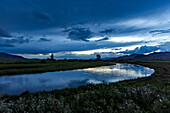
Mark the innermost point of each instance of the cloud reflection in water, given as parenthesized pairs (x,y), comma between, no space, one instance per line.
(68,79)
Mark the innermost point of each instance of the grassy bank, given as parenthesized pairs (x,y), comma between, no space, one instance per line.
(26,67)
(144,95)
(162,70)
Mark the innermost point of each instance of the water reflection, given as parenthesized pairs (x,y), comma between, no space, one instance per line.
(67,79)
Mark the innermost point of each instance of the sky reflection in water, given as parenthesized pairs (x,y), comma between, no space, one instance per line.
(67,79)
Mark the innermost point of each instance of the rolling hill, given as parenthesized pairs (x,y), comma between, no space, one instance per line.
(152,56)
(5,56)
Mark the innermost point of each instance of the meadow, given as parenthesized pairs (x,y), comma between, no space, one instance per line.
(37,66)
(144,95)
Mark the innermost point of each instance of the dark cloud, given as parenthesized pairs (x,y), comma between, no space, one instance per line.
(157,32)
(79,34)
(117,49)
(4,33)
(44,40)
(103,39)
(65,47)
(68,12)
(141,50)
(67,30)
(42,16)
(18,39)
(7,40)
(13,41)
(165,47)
(109,31)
(6,45)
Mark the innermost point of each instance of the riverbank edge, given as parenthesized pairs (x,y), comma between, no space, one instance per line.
(42,70)
(161,74)
(150,78)
(157,83)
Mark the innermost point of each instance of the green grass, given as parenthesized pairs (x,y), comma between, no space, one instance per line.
(26,67)
(143,95)
(119,97)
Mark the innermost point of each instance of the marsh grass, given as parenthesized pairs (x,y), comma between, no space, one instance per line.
(120,97)
(26,67)
(143,95)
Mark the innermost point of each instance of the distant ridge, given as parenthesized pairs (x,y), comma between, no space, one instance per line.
(153,56)
(5,56)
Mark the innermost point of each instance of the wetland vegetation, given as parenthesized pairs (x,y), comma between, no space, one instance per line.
(37,66)
(150,94)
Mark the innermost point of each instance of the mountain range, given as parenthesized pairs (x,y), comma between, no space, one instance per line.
(152,56)
(5,56)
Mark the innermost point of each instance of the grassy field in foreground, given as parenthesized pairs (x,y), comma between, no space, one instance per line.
(144,95)
(26,67)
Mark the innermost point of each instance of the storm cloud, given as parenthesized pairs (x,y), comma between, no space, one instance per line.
(141,50)
(79,34)
(14,40)
(4,33)
(6,45)
(103,39)
(42,16)
(69,12)
(109,31)
(89,25)
(157,32)
(44,40)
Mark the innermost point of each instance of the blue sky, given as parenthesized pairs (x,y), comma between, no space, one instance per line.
(84,28)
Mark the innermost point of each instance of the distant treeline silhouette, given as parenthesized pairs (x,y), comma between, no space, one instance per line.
(98,58)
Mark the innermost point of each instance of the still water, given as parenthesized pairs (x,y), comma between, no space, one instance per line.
(74,78)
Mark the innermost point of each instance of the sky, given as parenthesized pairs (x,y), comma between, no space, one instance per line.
(84,28)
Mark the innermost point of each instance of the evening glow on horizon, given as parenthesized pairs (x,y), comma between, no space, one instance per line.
(84,28)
